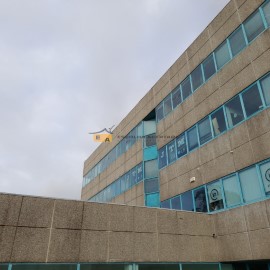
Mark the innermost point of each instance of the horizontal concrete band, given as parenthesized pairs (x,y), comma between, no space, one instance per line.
(35,229)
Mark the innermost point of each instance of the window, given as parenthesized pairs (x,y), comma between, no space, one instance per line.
(250,185)
(202,266)
(192,138)
(222,55)
(152,200)
(200,200)
(234,111)
(266,11)
(186,88)
(205,132)
(167,105)
(176,203)
(187,202)
(36,266)
(165,204)
(265,83)
(150,168)
(139,172)
(151,185)
(149,127)
(254,26)
(171,152)
(265,172)
(123,184)
(181,146)
(237,41)
(117,187)
(197,77)
(215,197)
(231,191)
(104,267)
(162,157)
(150,140)
(176,97)
(160,266)
(128,180)
(218,122)
(209,67)
(140,130)
(133,175)
(159,112)
(252,100)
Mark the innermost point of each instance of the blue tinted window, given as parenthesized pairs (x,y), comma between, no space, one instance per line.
(209,67)
(205,132)
(165,204)
(200,200)
(265,173)
(139,172)
(152,200)
(151,185)
(252,100)
(133,175)
(192,138)
(150,168)
(176,203)
(162,157)
(237,41)
(181,146)
(159,112)
(123,184)
(218,121)
(187,202)
(197,77)
(215,198)
(128,180)
(171,152)
(167,105)
(176,96)
(231,191)
(265,83)
(186,88)
(234,111)
(222,55)
(117,187)
(254,26)
(266,11)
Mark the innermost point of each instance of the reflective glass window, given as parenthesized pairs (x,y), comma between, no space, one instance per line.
(162,157)
(176,97)
(123,184)
(234,111)
(197,77)
(167,105)
(149,127)
(133,175)
(205,133)
(237,41)
(176,203)
(192,138)
(150,168)
(139,172)
(250,185)
(200,200)
(181,146)
(218,121)
(117,187)
(252,100)
(222,55)
(254,26)
(171,152)
(165,204)
(150,140)
(152,200)
(110,266)
(159,112)
(215,198)
(265,173)
(128,180)
(209,67)
(186,88)
(265,83)
(187,201)
(266,11)
(151,185)
(231,191)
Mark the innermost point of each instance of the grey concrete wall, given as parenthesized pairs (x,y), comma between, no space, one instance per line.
(34,229)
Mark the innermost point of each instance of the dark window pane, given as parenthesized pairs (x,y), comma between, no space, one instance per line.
(266,11)
(222,55)
(234,112)
(167,105)
(151,185)
(200,200)
(176,97)
(103,266)
(151,169)
(162,157)
(150,140)
(187,202)
(186,88)
(171,152)
(159,112)
(258,265)
(44,267)
(252,100)
(218,121)
(205,132)
(139,172)
(231,191)
(265,83)
(215,198)
(254,26)
(152,200)
(3,266)
(197,77)
(158,267)
(165,204)
(181,146)
(237,41)
(133,175)
(209,67)
(192,138)
(176,203)
(202,266)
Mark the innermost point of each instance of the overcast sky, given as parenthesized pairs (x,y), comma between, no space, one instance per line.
(69,67)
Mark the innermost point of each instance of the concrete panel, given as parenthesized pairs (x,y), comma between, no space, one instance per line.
(221,224)
(261,64)
(193,160)
(36,212)
(235,220)
(7,235)
(189,250)
(208,248)
(247,8)
(64,245)
(140,201)
(261,147)
(139,189)
(10,209)
(68,214)
(259,242)
(145,247)
(120,247)
(164,192)
(30,245)
(239,135)
(145,219)
(94,246)
(178,64)
(267,205)
(243,156)
(167,221)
